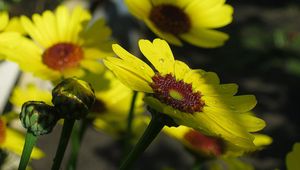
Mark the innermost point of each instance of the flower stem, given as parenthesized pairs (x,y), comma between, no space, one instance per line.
(30,141)
(63,142)
(130,118)
(153,129)
(76,138)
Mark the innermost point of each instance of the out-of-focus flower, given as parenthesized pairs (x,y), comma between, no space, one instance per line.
(10,31)
(29,93)
(292,158)
(194,98)
(212,147)
(230,164)
(191,21)
(13,141)
(112,106)
(10,25)
(63,45)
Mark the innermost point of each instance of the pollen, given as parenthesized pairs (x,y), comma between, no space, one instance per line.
(62,56)
(177,94)
(170,18)
(205,144)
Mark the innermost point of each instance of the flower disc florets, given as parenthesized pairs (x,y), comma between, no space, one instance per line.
(38,117)
(170,18)
(73,98)
(177,94)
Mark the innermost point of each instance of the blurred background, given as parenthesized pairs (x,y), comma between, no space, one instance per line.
(262,56)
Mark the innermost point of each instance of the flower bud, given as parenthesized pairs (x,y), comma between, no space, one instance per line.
(38,117)
(73,98)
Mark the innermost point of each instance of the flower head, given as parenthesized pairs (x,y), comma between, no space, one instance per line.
(13,141)
(191,21)
(212,147)
(194,98)
(63,44)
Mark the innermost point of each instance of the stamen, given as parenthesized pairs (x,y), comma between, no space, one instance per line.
(177,94)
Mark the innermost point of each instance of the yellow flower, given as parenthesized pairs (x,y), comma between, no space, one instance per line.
(194,98)
(10,25)
(29,93)
(191,21)
(13,141)
(112,105)
(10,30)
(292,158)
(63,45)
(209,146)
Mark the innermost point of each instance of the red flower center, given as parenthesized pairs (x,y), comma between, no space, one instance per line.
(170,18)
(62,56)
(177,94)
(205,144)
(2,131)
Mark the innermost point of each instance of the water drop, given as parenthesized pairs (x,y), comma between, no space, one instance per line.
(161,60)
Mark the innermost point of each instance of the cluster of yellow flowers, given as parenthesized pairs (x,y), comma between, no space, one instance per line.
(54,45)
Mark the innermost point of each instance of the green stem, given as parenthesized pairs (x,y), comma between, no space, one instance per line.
(130,118)
(30,141)
(63,142)
(76,138)
(153,129)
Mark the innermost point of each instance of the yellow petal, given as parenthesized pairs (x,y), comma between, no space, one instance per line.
(139,8)
(3,19)
(172,39)
(62,18)
(15,25)
(205,37)
(93,66)
(262,140)
(180,70)
(241,103)
(133,63)
(130,79)
(292,158)
(159,54)
(212,19)
(217,90)
(251,123)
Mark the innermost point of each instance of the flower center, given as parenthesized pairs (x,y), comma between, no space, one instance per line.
(177,94)
(2,130)
(170,18)
(62,56)
(98,107)
(205,144)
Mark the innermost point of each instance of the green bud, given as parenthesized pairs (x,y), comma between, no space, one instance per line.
(38,117)
(73,98)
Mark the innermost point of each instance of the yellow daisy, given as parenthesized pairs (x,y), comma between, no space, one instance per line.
(10,30)
(194,98)
(64,44)
(112,105)
(13,141)
(29,93)
(189,20)
(209,146)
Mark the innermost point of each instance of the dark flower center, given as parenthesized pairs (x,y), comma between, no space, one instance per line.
(62,56)
(170,18)
(210,146)
(98,107)
(177,94)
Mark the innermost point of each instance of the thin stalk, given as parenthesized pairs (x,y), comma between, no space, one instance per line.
(30,141)
(63,142)
(130,118)
(153,129)
(76,139)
